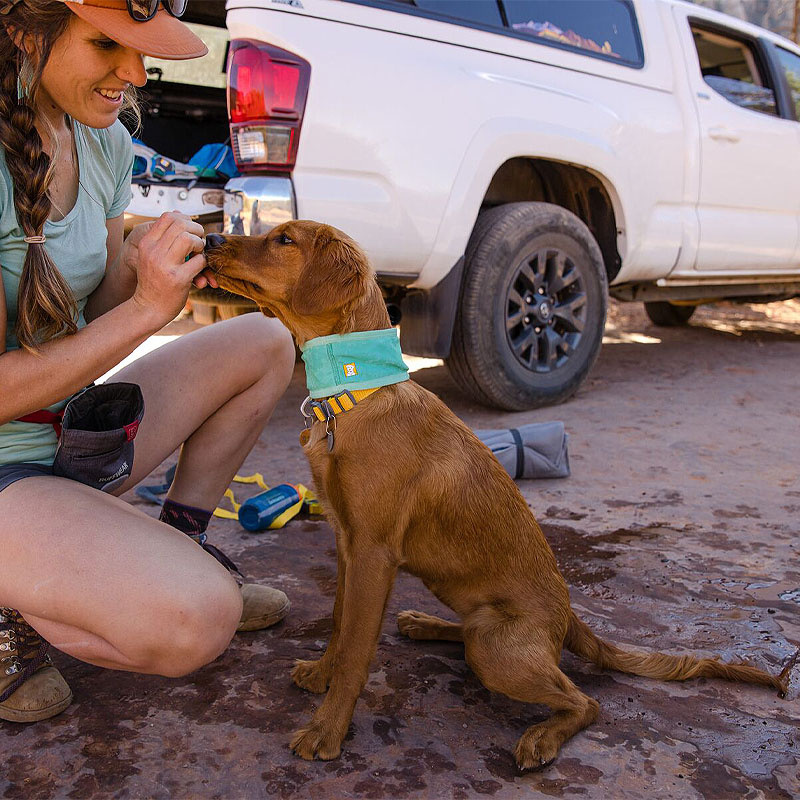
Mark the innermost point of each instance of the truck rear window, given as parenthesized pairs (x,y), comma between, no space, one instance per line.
(601,28)
(598,27)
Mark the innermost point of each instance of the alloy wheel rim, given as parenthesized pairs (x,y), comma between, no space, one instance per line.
(545,310)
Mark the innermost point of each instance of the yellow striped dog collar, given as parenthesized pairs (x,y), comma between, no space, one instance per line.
(336,404)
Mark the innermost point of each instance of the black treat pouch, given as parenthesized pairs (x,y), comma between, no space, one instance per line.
(98,429)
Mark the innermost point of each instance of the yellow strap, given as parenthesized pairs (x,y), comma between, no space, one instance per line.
(306,496)
(223,512)
(341,402)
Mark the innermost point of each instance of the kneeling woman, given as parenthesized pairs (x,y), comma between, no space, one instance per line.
(82,569)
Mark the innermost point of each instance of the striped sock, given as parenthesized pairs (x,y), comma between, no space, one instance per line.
(188,519)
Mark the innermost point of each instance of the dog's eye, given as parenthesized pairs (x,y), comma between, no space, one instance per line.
(284,239)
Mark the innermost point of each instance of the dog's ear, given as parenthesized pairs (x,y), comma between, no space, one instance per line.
(335,273)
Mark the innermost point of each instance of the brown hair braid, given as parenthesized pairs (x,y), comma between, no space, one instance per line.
(46,307)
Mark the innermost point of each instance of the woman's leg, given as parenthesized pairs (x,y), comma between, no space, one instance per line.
(109,585)
(213,391)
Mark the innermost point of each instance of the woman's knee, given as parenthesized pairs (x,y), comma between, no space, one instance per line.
(265,345)
(195,628)
(278,343)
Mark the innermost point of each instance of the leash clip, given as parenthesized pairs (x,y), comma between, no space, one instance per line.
(308,416)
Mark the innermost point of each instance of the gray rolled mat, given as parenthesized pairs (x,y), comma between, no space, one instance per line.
(538,450)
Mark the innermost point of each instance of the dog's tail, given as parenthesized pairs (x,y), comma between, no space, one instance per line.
(583,642)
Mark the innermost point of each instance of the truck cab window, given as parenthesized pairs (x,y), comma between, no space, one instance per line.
(730,67)
(596,27)
(791,68)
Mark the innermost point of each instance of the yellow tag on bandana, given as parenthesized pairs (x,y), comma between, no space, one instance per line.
(350,370)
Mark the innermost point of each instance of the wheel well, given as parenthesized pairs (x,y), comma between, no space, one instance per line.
(573,188)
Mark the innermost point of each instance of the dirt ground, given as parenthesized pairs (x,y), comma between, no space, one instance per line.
(678,530)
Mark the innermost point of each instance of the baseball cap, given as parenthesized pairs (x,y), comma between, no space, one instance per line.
(163,36)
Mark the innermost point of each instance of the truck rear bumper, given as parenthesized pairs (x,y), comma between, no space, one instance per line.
(254,205)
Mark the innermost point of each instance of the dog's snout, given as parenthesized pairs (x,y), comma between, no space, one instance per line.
(214,240)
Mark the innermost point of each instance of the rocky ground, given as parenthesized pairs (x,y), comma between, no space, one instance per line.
(678,530)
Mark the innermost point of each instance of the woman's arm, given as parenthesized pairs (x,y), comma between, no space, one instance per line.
(119,282)
(31,381)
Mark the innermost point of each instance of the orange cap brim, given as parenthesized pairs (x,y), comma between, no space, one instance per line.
(164,36)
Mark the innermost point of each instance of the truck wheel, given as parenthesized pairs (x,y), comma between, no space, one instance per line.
(667,315)
(533,306)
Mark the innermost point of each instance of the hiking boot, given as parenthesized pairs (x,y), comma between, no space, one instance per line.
(31,688)
(263,606)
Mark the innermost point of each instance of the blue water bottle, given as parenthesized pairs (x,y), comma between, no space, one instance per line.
(259,512)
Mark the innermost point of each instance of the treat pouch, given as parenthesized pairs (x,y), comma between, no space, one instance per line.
(96,442)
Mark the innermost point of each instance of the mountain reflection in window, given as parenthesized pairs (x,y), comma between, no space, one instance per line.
(602,27)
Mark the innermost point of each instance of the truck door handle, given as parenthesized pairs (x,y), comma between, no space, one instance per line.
(723,134)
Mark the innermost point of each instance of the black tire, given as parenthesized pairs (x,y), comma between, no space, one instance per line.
(532,310)
(667,315)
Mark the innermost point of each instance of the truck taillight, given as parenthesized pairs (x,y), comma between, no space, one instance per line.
(267,90)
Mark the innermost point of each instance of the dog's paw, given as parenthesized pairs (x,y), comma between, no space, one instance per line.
(537,748)
(308,675)
(316,741)
(418,625)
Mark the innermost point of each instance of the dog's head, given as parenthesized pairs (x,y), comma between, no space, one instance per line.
(309,275)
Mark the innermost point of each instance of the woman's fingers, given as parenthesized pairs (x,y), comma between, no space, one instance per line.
(206,278)
(171,227)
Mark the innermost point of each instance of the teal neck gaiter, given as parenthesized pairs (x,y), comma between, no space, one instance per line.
(360,360)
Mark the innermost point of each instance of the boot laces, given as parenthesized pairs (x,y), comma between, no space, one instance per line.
(19,642)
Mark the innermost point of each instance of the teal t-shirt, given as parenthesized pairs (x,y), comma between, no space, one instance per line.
(77,246)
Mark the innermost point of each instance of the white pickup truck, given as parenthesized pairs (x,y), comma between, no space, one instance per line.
(508,164)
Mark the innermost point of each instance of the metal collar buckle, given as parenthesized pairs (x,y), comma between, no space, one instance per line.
(306,409)
(309,418)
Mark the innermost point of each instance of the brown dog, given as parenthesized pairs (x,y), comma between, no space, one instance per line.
(408,486)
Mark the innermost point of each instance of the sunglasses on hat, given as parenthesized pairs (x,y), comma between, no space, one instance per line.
(143,10)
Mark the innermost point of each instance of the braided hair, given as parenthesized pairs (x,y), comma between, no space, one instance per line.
(46,305)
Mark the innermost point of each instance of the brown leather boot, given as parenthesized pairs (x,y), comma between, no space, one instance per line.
(263,606)
(31,688)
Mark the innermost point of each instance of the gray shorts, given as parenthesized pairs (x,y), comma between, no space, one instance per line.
(11,473)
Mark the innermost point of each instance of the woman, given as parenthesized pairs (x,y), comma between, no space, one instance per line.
(82,569)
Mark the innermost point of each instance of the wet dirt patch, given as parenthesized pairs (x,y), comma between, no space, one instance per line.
(586,560)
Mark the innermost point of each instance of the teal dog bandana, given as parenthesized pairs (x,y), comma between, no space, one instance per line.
(360,360)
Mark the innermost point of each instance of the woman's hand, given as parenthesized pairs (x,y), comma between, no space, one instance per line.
(130,255)
(166,256)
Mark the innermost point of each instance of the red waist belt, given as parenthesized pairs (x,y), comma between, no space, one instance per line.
(46,418)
